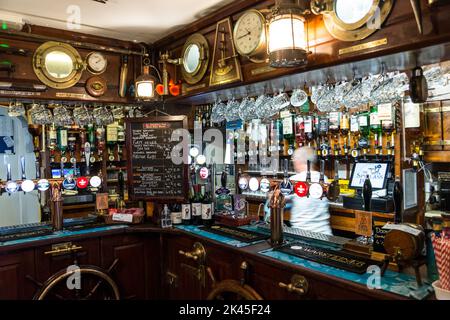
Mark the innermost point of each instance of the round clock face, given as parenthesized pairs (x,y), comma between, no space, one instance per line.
(249,32)
(96,62)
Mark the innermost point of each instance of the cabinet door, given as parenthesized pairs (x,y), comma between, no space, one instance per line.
(130,271)
(14,268)
(266,281)
(179,280)
(48,264)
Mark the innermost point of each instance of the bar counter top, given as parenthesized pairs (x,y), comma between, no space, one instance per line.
(393,285)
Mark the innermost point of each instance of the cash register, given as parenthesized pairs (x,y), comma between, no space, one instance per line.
(379,174)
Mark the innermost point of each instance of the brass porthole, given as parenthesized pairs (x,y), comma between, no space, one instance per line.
(195,58)
(58,65)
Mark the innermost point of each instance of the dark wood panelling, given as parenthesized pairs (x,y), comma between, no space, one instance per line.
(24,70)
(400,29)
(13,271)
(130,271)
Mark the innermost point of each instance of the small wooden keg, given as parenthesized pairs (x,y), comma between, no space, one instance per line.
(404,245)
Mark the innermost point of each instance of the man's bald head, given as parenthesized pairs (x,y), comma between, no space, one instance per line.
(302,156)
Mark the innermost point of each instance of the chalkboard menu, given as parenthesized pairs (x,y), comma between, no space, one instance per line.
(152,175)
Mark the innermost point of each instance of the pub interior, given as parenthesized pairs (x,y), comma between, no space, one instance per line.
(225,150)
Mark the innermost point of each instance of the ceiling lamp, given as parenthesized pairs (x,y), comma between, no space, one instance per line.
(287,35)
(145,84)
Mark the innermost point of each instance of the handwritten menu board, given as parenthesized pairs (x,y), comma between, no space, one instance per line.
(152,175)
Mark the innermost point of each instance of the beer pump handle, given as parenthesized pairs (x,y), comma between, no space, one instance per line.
(87,153)
(308,172)
(336,170)
(38,170)
(223,179)
(22,167)
(322,171)
(398,199)
(8,172)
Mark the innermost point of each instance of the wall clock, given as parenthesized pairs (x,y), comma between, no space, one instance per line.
(250,36)
(352,20)
(96,63)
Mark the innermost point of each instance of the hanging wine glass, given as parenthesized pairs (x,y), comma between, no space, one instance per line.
(218,112)
(232,110)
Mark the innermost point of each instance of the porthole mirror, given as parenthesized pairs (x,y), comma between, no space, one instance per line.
(195,58)
(352,20)
(58,65)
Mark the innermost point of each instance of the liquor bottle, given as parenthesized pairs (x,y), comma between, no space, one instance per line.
(367,193)
(91,139)
(101,143)
(334,128)
(288,136)
(398,198)
(388,128)
(207,207)
(83,140)
(309,129)
(120,139)
(52,142)
(112,135)
(279,131)
(375,129)
(72,146)
(300,136)
(364,131)
(323,134)
(196,206)
(62,142)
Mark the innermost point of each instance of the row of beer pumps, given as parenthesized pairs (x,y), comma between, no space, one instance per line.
(67,181)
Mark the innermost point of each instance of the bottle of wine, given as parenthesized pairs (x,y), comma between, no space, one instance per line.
(186,207)
(101,141)
(367,193)
(207,207)
(196,206)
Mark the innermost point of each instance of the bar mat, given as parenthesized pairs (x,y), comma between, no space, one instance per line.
(333,258)
(240,234)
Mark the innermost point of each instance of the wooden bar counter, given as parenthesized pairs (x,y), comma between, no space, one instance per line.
(153,264)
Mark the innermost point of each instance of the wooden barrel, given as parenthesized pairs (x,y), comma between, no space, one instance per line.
(409,245)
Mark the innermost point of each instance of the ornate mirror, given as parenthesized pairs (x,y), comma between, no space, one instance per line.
(195,58)
(58,65)
(352,20)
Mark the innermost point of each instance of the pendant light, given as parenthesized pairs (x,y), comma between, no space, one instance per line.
(287,35)
(145,84)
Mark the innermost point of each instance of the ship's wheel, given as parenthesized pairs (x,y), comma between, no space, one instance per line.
(81,283)
(233,290)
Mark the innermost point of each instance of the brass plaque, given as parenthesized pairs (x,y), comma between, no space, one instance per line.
(262,70)
(193,88)
(364,46)
(225,67)
(71,95)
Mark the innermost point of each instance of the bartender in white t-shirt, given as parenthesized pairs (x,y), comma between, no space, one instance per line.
(308,213)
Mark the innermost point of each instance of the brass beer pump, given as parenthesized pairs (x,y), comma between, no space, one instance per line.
(277,203)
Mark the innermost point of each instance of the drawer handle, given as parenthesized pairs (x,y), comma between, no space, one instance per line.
(298,285)
(198,254)
(63,249)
